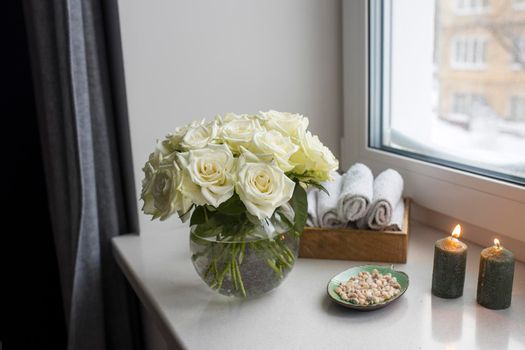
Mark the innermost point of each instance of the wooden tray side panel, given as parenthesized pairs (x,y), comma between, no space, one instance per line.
(352,244)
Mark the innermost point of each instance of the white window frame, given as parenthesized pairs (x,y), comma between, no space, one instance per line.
(494,205)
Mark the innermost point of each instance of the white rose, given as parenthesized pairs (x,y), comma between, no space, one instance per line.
(273,146)
(232,116)
(314,158)
(161,187)
(288,124)
(199,136)
(163,147)
(239,132)
(175,138)
(262,188)
(210,176)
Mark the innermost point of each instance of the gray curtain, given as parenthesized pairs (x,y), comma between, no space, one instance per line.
(84,156)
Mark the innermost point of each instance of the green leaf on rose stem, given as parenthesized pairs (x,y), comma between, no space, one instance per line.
(209,229)
(297,177)
(199,216)
(300,207)
(233,206)
(318,186)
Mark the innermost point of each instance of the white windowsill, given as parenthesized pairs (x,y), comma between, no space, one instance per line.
(299,315)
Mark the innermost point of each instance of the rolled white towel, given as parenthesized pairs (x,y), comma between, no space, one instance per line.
(357,191)
(388,190)
(396,224)
(327,204)
(312,219)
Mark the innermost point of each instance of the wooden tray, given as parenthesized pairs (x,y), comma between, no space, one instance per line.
(355,244)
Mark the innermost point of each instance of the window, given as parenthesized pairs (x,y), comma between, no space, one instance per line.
(518,4)
(517,110)
(466,7)
(399,90)
(468,53)
(517,51)
(427,110)
(459,104)
(468,105)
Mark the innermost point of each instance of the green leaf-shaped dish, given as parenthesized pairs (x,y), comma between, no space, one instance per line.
(402,279)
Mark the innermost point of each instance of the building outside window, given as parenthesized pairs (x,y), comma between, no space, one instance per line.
(481,101)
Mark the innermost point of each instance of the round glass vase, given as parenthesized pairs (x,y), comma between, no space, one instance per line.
(247,261)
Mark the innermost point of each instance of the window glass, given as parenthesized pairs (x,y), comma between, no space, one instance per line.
(452,83)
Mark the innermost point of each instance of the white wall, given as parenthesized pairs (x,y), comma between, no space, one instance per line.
(185,60)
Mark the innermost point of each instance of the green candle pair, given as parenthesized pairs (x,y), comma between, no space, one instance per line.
(496,272)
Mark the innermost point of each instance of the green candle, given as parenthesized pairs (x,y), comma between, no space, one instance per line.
(450,260)
(496,272)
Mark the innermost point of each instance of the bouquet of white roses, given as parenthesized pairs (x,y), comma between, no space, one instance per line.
(236,171)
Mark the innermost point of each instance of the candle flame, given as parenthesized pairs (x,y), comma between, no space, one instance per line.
(457,231)
(496,243)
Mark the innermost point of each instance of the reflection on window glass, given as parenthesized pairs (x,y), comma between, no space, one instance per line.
(454,87)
